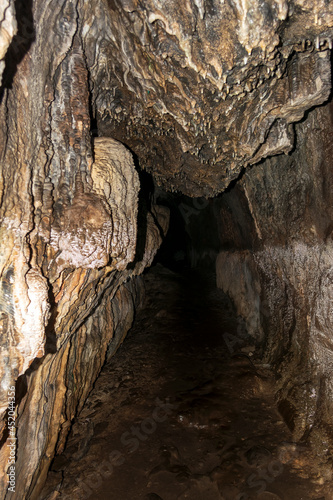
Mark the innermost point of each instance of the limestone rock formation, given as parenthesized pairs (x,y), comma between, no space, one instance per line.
(8,28)
(68,227)
(120,186)
(212,87)
(197,91)
(279,274)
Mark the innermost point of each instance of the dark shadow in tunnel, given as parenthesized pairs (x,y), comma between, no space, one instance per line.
(172,253)
(193,239)
(50,334)
(144,206)
(20,43)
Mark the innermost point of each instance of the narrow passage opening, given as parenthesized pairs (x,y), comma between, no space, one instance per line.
(185,409)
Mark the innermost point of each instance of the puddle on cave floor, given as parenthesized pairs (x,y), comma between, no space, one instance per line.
(175,416)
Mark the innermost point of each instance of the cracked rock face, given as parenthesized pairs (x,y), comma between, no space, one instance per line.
(69,233)
(211,86)
(197,91)
(113,174)
(279,274)
(101,223)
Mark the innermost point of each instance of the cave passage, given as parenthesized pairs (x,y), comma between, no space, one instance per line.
(223,388)
(183,411)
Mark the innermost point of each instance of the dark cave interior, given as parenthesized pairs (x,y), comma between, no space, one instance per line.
(186,408)
(166,256)
(223,434)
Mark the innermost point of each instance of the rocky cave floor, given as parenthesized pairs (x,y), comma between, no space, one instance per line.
(177,414)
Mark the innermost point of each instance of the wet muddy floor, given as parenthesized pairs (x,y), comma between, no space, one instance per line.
(181,412)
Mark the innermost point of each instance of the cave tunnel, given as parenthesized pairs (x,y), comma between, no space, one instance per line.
(166,255)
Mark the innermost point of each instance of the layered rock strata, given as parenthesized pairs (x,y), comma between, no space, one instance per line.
(197,91)
(278,220)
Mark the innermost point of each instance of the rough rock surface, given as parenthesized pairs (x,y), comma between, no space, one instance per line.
(8,29)
(211,86)
(198,91)
(68,235)
(220,435)
(279,273)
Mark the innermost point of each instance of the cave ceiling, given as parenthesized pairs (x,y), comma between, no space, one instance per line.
(201,89)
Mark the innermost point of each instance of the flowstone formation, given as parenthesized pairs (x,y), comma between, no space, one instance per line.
(8,29)
(197,91)
(69,233)
(203,89)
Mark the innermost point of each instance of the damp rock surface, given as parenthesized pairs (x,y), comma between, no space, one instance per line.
(179,414)
(202,89)
(278,271)
(197,91)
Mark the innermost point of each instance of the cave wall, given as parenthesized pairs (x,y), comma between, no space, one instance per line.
(8,28)
(70,249)
(276,262)
(55,390)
